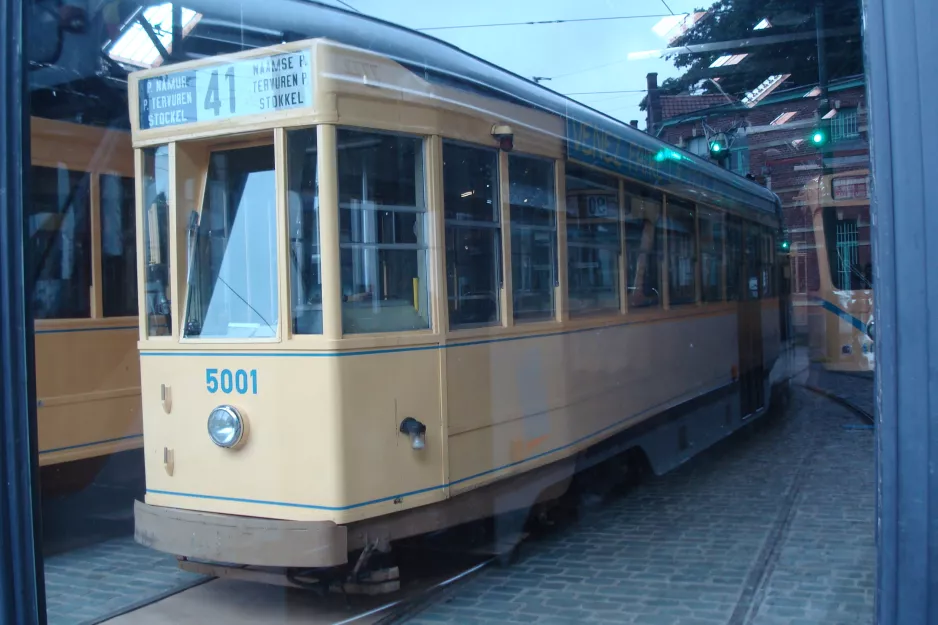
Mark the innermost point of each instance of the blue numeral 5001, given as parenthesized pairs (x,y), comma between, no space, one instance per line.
(229,382)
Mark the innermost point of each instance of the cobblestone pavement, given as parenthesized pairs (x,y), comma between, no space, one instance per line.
(772,527)
(86,584)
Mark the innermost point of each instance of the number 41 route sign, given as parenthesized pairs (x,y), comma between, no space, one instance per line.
(246,87)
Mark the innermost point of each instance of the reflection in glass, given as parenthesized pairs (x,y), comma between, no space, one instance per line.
(60,243)
(303,225)
(382,233)
(233,247)
(643,245)
(473,233)
(682,253)
(156,240)
(533,236)
(710,225)
(593,244)
(118,247)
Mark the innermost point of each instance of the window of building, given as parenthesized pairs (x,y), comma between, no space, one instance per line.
(60,243)
(382,233)
(118,246)
(644,246)
(473,234)
(845,125)
(682,252)
(593,244)
(734,258)
(156,240)
(533,236)
(738,161)
(303,229)
(711,224)
(233,288)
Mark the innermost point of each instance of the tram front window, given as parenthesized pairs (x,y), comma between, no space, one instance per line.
(232,247)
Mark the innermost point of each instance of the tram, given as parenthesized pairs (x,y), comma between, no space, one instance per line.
(82,246)
(837,271)
(379,299)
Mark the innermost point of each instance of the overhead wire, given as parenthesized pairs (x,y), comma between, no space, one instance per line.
(544,22)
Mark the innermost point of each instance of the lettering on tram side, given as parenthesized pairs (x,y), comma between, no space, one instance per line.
(247,87)
(227,381)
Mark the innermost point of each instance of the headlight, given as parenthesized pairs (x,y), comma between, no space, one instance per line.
(225,426)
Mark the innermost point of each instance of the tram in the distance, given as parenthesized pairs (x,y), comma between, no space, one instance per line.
(377,301)
(836,271)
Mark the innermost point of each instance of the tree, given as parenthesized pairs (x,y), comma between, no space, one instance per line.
(789,46)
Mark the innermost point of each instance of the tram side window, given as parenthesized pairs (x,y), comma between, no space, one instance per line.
(752,249)
(156,240)
(382,233)
(734,259)
(60,243)
(767,258)
(643,246)
(303,224)
(533,237)
(473,234)
(710,225)
(593,243)
(233,288)
(118,247)
(682,252)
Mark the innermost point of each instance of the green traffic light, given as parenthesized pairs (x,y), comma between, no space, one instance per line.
(716,147)
(819,137)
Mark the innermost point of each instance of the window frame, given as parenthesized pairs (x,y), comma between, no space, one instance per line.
(497,227)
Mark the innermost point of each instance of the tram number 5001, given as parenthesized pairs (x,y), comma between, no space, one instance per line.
(228,381)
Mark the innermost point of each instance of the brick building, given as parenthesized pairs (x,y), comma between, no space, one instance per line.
(768,137)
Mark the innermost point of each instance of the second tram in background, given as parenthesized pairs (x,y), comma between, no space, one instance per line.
(387,298)
(833,271)
(82,246)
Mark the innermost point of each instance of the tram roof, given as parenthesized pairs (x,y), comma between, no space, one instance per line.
(445,63)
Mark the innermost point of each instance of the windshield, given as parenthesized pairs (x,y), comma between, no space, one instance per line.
(232,248)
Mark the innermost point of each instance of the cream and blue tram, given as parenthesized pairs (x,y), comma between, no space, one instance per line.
(378,301)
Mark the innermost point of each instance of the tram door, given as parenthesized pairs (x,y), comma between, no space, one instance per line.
(749,325)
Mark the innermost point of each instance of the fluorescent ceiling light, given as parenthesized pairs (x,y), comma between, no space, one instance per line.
(135,47)
(813,93)
(768,85)
(667,24)
(728,59)
(830,114)
(765,23)
(783,118)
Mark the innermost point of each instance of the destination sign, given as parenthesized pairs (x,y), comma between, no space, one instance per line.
(246,87)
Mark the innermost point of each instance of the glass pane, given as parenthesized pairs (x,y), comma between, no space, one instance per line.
(533,237)
(710,225)
(752,244)
(305,263)
(643,246)
(156,240)
(60,243)
(682,253)
(233,278)
(382,233)
(593,245)
(118,246)
(473,235)
(734,259)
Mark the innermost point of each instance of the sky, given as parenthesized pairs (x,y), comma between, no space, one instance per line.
(580,58)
